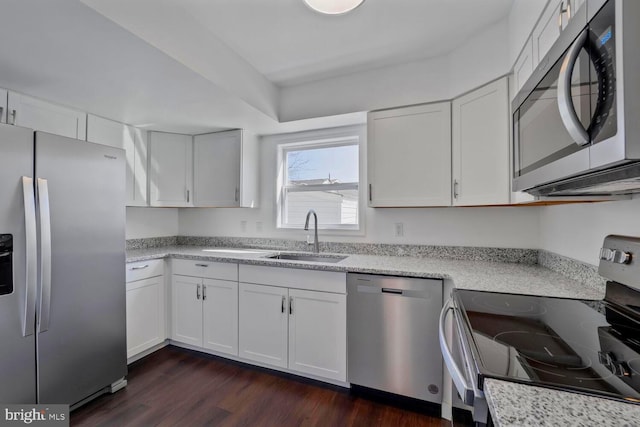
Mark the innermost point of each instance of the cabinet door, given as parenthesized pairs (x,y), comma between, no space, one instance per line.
(220,314)
(40,115)
(263,324)
(547,31)
(216,169)
(3,105)
(133,141)
(145,314)
(187,309)
(170,169)
(318,333)
(572,8)
(481,146)
(409,151)
(523,67)
(137,161)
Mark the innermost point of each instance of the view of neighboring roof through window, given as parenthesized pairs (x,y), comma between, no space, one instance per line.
(324,177)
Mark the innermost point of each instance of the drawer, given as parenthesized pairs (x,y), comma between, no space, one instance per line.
(144,269)
(312,280)
(208,269)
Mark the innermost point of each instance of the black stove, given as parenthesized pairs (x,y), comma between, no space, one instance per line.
(577,345)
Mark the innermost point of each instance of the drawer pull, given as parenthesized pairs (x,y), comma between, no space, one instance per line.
(202,265)
(140,267)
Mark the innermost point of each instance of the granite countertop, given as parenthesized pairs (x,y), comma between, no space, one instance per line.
(521,405)
(478,275)
(511,404)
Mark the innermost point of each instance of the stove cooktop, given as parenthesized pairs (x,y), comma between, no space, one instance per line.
(585,346)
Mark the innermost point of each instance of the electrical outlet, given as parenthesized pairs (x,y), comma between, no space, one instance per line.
(259,226)
(399,228)
(243,226)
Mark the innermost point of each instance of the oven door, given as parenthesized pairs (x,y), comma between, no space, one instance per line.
(458,360)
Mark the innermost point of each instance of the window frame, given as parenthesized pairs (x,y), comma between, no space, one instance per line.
(325,138)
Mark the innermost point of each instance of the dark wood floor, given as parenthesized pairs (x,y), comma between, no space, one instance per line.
(176,387)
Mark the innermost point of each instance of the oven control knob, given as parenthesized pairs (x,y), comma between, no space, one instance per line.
(615,256)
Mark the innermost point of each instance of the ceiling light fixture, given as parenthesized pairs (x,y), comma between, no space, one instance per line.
(333,7)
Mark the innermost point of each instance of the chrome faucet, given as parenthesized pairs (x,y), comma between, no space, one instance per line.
(316,245)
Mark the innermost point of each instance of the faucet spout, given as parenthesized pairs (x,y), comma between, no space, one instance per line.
(316,245)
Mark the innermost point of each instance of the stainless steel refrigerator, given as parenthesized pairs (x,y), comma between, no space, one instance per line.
(62,268)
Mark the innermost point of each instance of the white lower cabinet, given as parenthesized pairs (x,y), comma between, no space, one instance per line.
(299,326)
(145,306)
(301,330)
(205,310)
(263,324)
(318,333)
(220,315)
(187,309)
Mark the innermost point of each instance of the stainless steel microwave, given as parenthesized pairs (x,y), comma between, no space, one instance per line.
(576,121)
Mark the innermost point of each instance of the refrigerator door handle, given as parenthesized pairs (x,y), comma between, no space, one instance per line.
(45,255)
(28,322)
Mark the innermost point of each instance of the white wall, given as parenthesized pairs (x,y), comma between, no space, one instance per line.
(151,222)
(577,231)
(483,58)
(499,227)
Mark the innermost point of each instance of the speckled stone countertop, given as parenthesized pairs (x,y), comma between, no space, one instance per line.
(520,405)
(511,404)
(478,275)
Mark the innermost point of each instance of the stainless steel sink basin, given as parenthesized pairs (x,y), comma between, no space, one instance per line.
(308,258)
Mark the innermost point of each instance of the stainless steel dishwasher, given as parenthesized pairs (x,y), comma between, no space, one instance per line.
(392,335)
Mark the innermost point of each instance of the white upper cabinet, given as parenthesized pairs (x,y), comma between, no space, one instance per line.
(548,29)
(523,67)
(40,115)
(225,169)
(409,156)
(481,146)
(570,10)
(3,105)
(134,142)
(170,169)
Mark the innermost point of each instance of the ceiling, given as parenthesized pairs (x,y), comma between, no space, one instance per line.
(289,44)
(194,66)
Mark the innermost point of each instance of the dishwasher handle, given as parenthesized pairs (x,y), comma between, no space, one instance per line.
(392,291)
(466,392)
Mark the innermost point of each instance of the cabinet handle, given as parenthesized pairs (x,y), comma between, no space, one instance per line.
(284,300)
(1,111)
(188,196)
(204,292)
(202,265)
(290,305)
(237,194)
(140,267)
(198,292)
(456,186)
(370,192)
(13,114)
(564,9)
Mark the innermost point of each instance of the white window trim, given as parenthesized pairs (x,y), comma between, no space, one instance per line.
(346,135)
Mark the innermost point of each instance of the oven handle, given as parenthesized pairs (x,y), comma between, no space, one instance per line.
(565,103)
(467,393)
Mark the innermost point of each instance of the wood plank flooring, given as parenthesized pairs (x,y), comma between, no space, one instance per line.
(177,387)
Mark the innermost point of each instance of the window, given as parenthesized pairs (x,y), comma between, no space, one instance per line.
(323,175)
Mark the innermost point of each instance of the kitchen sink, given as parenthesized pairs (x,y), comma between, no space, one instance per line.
(308,258)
